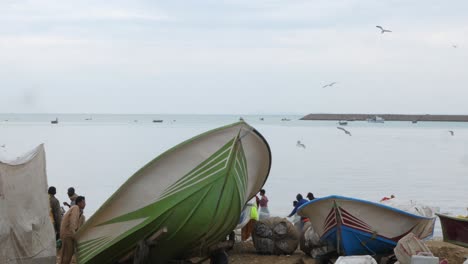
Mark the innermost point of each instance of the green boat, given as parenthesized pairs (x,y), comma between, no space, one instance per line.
(195,191)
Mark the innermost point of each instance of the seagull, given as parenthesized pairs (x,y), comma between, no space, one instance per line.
(383,30)
(451,132)
(346,131)
(329,85)
(299,144)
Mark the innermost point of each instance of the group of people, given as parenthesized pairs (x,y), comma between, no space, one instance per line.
(66,224)
(298,203)
(259,210)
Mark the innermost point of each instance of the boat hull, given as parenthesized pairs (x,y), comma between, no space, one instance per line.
(195,190)
(358,227)
(454,229)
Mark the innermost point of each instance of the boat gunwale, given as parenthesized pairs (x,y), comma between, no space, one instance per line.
(452,217)
(383,206)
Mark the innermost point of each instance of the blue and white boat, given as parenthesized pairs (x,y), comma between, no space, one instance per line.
(359,227)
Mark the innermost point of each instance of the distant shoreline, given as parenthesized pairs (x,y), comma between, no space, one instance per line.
(387,117)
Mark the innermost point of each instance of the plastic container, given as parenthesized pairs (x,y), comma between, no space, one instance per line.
(424,260)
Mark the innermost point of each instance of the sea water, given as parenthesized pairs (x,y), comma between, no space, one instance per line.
(96,154)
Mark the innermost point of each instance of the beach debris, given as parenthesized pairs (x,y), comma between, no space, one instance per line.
(383,30)
(409,246)
(275,236)
(366,259)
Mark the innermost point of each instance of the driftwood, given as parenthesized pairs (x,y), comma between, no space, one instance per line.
(276,236)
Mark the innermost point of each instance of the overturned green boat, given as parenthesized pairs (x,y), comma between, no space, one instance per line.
(195,191)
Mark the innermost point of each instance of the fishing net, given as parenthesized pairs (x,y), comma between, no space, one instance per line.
(26,231)
(276,236)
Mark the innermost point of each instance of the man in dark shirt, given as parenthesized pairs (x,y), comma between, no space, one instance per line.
(56,214)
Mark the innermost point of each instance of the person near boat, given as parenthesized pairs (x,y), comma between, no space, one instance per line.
(246,230)
(300,201)
(387,198)
(54,211)
(71,222)
(72,195)
(310,196)
(263,205)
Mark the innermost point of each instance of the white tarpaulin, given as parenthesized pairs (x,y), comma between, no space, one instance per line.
(26,231)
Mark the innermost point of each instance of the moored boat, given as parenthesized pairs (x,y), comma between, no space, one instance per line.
(454,229)
(195,191)
(358,227)
(376,119)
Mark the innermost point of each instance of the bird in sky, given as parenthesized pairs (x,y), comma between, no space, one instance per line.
(383,30)
(329,85)
(346,131)
(3,146)
(300,145)
(451,132)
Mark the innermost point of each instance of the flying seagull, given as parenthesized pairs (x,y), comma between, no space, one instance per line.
(346,131)
(383,30)
(300,145)
(451,132)
(329,85)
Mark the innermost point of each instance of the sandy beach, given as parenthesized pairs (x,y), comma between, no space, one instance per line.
(244,252)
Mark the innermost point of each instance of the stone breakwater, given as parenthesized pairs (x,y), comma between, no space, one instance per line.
(388,117)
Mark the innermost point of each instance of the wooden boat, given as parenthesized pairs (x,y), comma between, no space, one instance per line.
(157,121)
(342,123)
(54,121)
(359,227)
(454,229)
(195,190)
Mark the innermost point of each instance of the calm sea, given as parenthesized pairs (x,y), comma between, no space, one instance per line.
(96,153)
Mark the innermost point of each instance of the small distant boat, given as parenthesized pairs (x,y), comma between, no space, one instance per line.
(54,121)
(195,191)
(376,119)
(454,229)
(343,123)
(359,227)
(285,119)
(157,121)
(261,119)
(89,118)
(414,121)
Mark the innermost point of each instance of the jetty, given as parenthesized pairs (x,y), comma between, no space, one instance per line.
(388,117)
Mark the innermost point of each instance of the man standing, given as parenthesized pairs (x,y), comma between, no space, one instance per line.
(72,221)
(263,202)
(55,212)
(72,195)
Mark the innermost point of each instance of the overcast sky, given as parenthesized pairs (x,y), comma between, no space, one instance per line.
(233,57)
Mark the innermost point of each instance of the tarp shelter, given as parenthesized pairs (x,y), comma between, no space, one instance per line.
(26,231)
